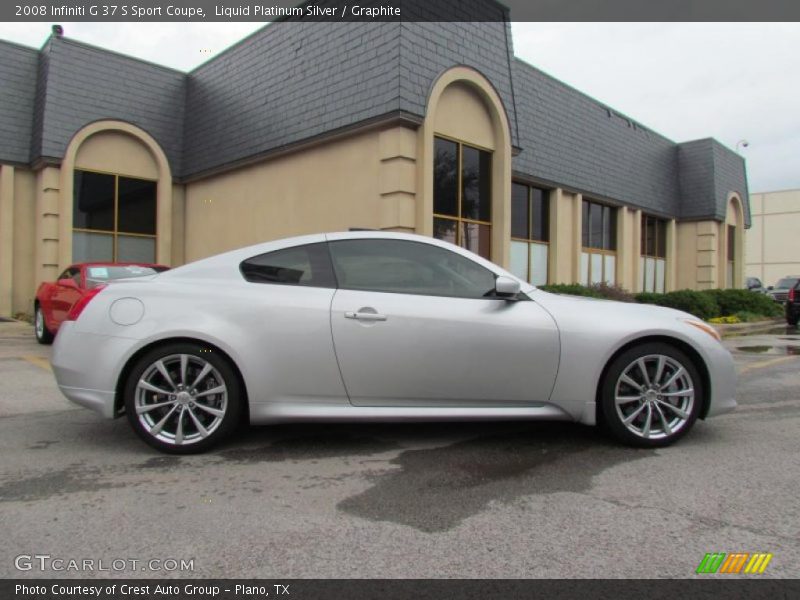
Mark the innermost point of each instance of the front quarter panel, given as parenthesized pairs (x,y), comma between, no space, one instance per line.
(593,331)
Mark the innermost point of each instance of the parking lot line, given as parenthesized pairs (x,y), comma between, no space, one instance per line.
(39,361)
(766,363)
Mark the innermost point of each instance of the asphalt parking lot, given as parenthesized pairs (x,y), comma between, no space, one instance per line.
(515,500)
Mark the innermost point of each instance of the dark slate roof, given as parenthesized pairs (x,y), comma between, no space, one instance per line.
(18,74)
(570,139)
(709,172)
(288,83)
(86,84)
(429,49)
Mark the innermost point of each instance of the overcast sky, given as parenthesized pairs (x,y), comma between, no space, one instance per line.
(731,81)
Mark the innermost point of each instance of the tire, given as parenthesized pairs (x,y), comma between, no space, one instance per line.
(40,330)
(168,401)
(670,396)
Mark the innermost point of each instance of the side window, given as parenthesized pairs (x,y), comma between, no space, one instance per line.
(301,265)
(405,267)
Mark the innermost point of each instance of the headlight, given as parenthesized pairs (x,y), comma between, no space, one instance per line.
(704,327)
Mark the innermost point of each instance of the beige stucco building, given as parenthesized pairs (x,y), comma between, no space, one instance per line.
(773,241)
(104,157)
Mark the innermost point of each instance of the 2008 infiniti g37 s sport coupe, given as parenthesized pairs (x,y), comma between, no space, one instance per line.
(379,327)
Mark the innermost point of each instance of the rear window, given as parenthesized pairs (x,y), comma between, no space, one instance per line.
(787,282)
(308,265)
(102,274)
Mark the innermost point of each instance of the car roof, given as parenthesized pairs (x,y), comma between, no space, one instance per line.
(218,265)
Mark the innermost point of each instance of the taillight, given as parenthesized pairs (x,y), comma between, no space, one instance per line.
(791,295)
(78,307)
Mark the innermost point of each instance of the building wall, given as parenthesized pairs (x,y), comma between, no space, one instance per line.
(773,242)
(364,181)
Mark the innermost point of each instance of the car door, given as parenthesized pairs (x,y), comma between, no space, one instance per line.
(63,296)
(414,324)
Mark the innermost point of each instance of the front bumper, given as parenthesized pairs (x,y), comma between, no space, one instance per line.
(722,378)
(87,366)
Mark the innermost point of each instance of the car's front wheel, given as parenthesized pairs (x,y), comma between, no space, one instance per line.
(183,398)
(651,395)
(43,335)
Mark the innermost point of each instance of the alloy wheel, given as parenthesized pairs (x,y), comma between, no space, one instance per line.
(181,399)
(654,397)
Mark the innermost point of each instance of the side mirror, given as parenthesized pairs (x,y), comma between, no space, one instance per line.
(68,283)
(507,288)
(771,287)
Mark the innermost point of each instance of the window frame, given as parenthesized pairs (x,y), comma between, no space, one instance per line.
(546,228)
(116,233)
(332,283)
(459,219)
(659,242)
(612,234)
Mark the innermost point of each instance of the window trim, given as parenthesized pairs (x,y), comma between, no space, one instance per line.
(116,232)
(643,249)
(460,189)
(331,269)
(643,239)
(530,240)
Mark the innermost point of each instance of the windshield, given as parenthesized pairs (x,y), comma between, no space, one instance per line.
(786,282)
(98,275)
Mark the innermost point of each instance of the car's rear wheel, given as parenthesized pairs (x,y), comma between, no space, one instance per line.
(651,395)
(183,398)
(43,335)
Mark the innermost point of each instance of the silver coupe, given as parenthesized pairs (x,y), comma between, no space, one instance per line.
(373,326)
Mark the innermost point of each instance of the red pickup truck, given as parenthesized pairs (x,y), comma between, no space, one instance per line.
(54,300)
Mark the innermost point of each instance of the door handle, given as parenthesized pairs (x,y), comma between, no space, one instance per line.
(362,315)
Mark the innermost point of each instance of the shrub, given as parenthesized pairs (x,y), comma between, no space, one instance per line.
(748,317)
(647,297)
(598,290)
(613,292)
(696,303)
(731,302)
(707,304)
(573,289)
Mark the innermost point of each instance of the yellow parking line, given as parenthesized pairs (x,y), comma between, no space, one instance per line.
(766,363)
(39,361)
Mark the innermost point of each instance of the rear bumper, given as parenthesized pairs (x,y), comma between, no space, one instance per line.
(86,367)
(97,400)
